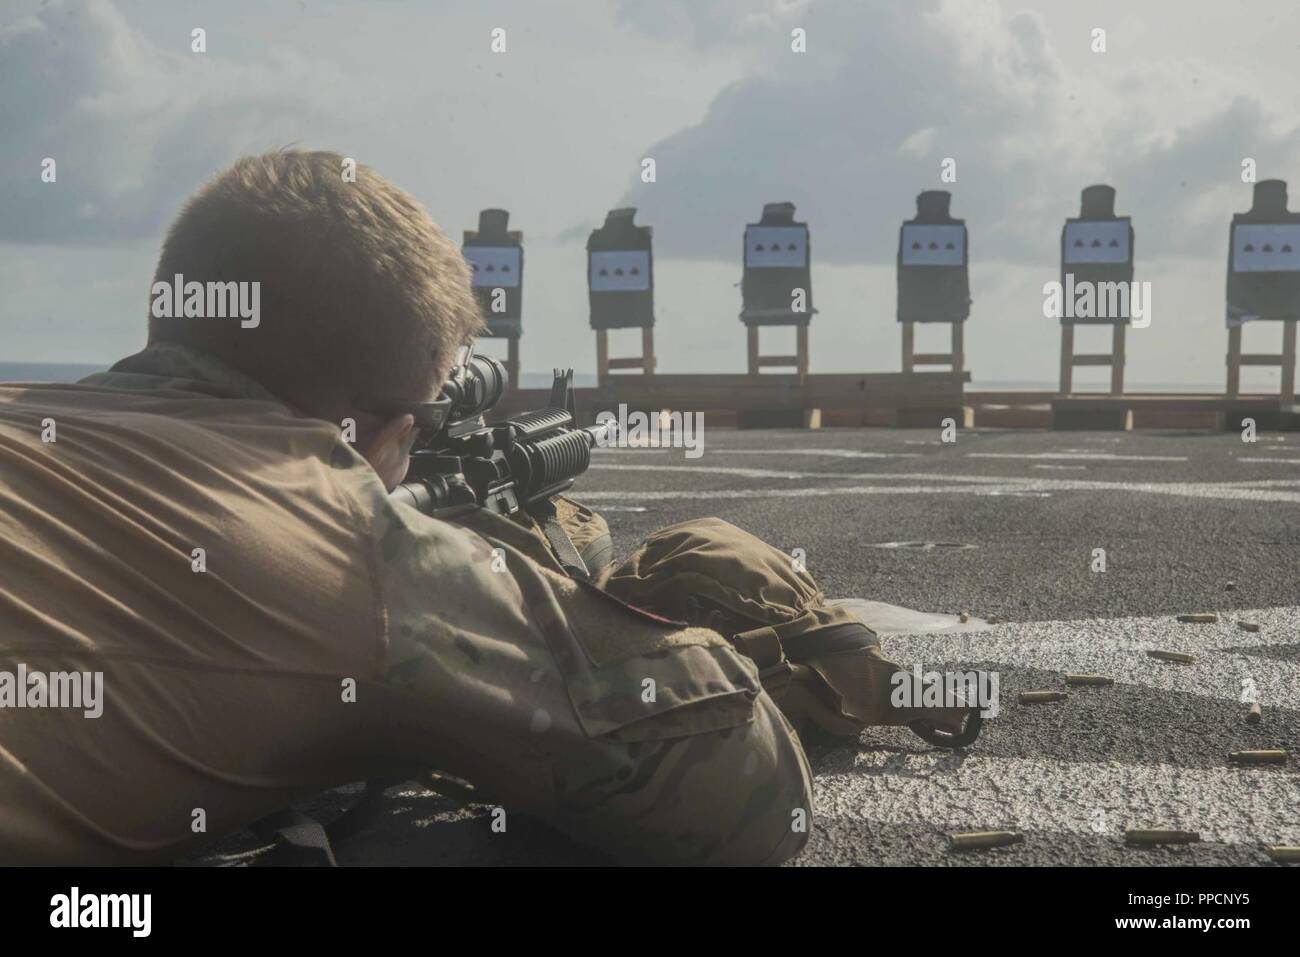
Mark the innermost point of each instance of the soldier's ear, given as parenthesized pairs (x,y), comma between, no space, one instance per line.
(387,448)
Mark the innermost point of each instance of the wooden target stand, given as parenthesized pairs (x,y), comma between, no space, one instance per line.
(808,418)
(1114,359)
(955,360)
(799,360)
(1279,413)
(644,363)
(1106,410)
(1236,359)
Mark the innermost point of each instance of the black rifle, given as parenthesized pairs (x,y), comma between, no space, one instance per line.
(509,466)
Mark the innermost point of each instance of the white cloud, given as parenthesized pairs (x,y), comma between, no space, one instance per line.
(712,23)
(858,125)
(555,131)
(132,127)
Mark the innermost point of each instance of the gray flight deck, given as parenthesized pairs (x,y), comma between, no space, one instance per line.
(1190,522)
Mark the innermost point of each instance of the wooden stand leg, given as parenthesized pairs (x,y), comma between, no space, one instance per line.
(802,349)
(648,350)
(908,350)
(1117,360)
(753,349)
(1288,362)
(1067,358)
(602,355)
(958,348)
(1234,361)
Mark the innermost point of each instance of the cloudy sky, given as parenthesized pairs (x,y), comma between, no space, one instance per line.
(555,128)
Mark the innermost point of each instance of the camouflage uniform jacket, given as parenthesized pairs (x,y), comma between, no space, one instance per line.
(269,623)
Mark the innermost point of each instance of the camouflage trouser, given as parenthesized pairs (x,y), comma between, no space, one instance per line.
(712,769)
(648,739)
(821,664)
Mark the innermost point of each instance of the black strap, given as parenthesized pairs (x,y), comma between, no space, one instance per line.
(362,814)
(298,835)
(767,649)
(565,553)
(849,636)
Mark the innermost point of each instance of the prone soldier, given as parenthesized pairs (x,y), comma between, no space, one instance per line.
(212,532)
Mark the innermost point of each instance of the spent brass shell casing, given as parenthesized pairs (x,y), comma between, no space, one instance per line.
(1266,756)
(1179,656)
(1284,854)
(1088,680)
(1248,625)
(977,839)
(1200,618)
(1255,714)
(1042,697)
(1150,837)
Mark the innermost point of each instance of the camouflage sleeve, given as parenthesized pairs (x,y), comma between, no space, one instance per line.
(647,739)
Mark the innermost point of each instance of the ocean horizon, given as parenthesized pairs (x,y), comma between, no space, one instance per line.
(48,371)
(74,371)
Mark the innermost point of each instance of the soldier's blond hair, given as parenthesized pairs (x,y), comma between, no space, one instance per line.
(363,298)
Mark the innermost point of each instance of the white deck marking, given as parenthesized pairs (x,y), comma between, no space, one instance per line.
(1266,483)
(1117,647)
(722,470)
(1099,456)
(791,474)
(934,483)
(832,453)
(1224,805)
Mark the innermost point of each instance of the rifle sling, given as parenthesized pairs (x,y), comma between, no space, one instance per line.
(565,552)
